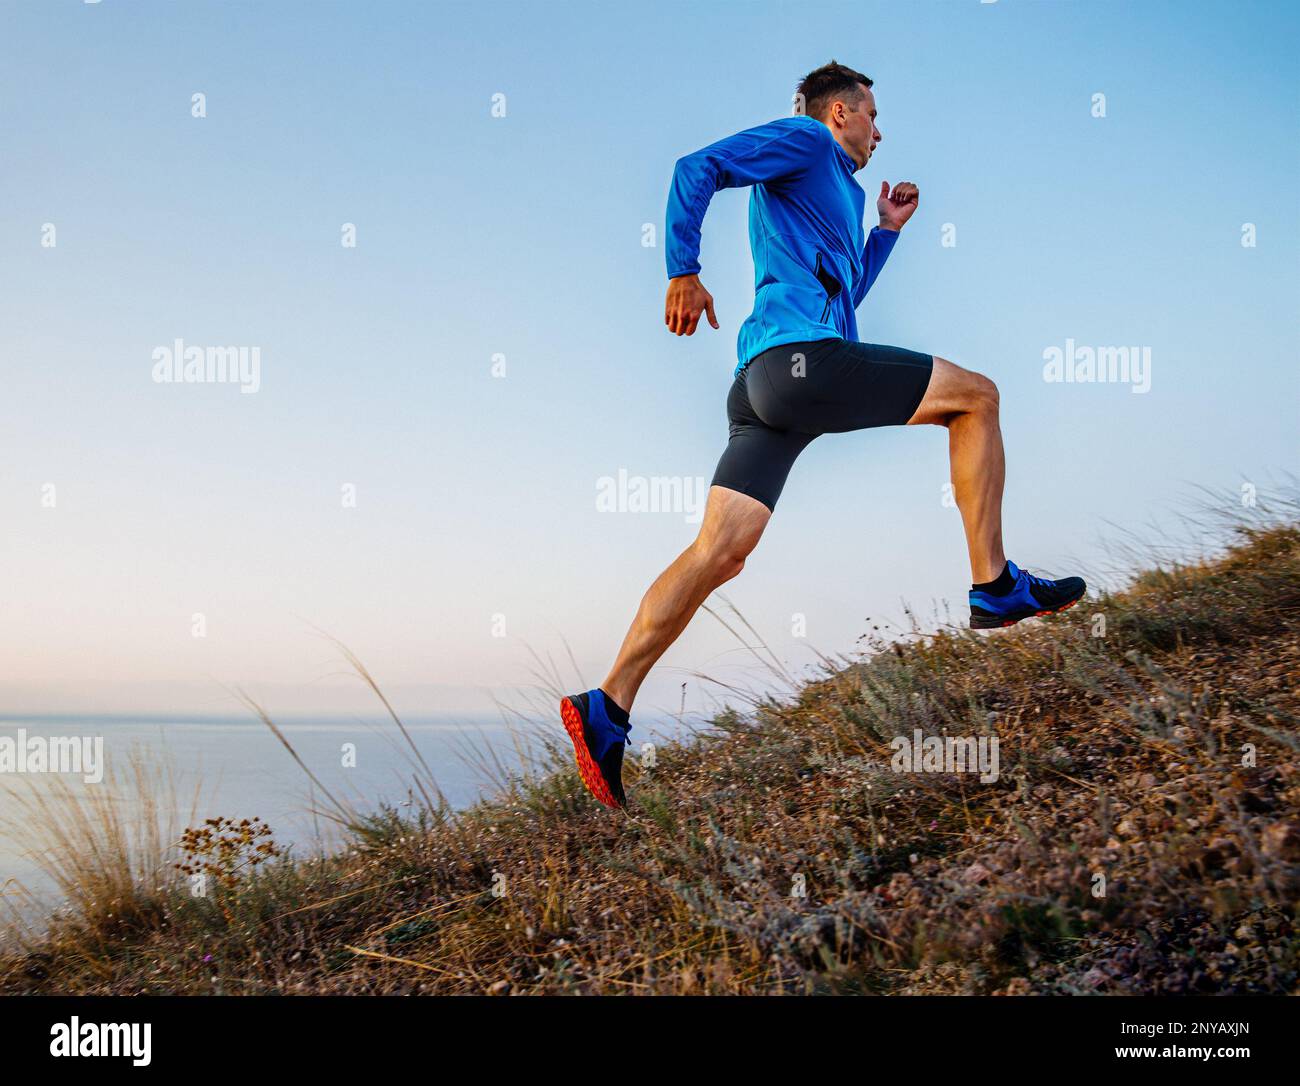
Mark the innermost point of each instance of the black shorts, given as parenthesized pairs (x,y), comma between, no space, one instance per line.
(790,394)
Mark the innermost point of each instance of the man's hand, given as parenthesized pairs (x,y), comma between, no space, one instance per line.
(898,206)
(687,299)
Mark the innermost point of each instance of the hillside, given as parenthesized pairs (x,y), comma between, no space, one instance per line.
(1122,729)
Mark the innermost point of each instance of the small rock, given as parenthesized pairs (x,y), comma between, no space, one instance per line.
(1281,841)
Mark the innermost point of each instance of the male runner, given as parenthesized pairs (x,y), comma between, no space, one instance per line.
(802,373)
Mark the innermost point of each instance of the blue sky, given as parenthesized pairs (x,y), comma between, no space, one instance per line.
(522,236)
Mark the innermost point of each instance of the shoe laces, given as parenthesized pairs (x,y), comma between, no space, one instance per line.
(1038,580)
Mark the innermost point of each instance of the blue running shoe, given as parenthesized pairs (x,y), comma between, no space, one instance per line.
(1031,596)
(597,745)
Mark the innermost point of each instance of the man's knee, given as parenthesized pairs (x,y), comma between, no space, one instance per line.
(955,392)
(733,525)
(725,552)
(984,393)
(977,394)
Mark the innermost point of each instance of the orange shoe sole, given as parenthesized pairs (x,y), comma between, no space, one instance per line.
(1059,609)
(1040,614)
(1036,614)
(588,770)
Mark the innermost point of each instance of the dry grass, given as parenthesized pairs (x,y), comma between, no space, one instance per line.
(1121,756)
(107,848)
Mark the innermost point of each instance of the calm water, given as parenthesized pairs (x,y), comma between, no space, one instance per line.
(243,771)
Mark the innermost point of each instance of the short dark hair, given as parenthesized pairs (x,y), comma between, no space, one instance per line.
(830,83)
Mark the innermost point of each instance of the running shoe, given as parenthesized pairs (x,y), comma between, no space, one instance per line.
(1031,596)
(597,745)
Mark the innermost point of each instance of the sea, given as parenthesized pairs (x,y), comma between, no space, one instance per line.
(234,767)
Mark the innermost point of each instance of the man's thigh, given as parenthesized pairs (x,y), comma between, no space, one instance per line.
(836,386)
(757,461)
(952,391)
(733,521)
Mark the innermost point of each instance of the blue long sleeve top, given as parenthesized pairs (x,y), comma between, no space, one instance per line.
(812,266)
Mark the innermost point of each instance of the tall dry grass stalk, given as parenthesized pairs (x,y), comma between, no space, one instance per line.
(106,848)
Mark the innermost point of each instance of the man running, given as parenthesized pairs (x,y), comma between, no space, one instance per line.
(802,373)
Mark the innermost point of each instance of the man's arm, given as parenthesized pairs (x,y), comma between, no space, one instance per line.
(766,154)
(880,243)
(895,208)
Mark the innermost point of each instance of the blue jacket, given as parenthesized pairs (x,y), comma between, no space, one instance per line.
(811,266)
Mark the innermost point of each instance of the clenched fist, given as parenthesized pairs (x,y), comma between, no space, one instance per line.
(687,299)
(898,206)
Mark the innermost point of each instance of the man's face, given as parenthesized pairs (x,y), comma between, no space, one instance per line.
(858,133)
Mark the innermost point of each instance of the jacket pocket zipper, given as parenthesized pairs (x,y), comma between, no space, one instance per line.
(829,283)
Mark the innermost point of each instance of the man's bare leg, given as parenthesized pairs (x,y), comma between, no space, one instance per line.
(732,525)
(967,404)
(1001,594)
